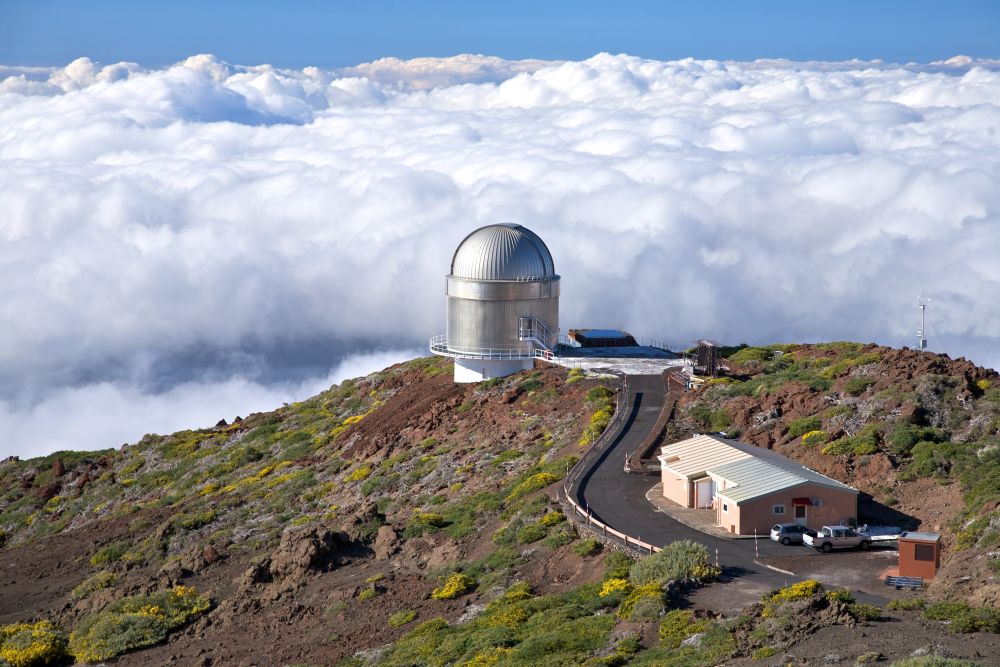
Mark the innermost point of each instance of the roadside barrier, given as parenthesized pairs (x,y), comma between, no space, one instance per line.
(586,463)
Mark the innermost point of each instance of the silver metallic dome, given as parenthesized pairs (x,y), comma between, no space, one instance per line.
(502,252)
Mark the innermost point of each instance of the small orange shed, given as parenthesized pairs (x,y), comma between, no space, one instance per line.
(919,554)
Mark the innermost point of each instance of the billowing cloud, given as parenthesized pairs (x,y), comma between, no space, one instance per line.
(206,225)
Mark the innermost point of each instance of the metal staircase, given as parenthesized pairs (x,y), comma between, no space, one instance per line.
(534,331)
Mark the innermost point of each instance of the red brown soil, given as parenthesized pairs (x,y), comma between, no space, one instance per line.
(311,614)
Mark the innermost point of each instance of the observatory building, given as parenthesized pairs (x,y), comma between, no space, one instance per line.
(503,303)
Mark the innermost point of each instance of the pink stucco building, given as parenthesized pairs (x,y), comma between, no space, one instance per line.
(751,488)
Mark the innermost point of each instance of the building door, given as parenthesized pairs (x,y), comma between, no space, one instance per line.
(705,491)
(800,515)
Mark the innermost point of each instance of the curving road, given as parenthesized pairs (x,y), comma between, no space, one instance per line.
(618,499)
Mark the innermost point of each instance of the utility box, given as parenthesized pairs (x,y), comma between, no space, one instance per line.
(919,555)
(707,358)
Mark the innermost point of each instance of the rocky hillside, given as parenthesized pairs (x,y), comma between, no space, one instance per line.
(918,433)
(400,519)
(380,483)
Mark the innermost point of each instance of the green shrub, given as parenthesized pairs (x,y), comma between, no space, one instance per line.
(840,595)
(195,520)
(135,622)
(531,484)
(28,645)
(748,354)
(864,442)
(428,519)
(682,559)
(520,590)
(803,425)
(552,518)
(368,593)
(617,565)
(530,385)
(530,533)
(858,385)
(964,618)
(559,537)
(764,652)
(679,624)
(869,658)
(109,553)
(651,592)
(813,438)
(906,604)
(589,546)
(402,617)
(865,612)
(903,437)
(96,582)
(455,585)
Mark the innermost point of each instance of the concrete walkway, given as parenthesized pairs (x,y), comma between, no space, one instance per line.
(701,520)
(625,360)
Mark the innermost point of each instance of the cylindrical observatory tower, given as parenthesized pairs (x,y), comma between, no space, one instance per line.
(503,303)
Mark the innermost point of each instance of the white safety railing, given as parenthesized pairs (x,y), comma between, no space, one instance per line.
(596,451)
(439,345)
(533,330)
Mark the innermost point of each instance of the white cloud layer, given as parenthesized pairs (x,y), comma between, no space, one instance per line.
(178,243)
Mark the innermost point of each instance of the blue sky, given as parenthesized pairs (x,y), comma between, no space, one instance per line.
(296,33)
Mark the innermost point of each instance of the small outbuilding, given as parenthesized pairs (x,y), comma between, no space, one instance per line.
(919,554)
(602,338)
(750,488)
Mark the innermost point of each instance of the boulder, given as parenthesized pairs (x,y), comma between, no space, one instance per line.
(386,543)
(304,550)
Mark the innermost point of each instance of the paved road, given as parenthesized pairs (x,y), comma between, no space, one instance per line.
(618,499)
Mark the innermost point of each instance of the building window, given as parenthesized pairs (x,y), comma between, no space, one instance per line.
(924,552)
(817,502)
(725,507)
(779,509)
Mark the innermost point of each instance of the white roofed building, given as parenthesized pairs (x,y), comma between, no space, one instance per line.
(751,488)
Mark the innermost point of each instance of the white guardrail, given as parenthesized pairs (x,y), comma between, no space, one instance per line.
(439,345)
(596,451)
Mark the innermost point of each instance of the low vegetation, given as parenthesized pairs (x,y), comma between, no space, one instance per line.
(32,644)
(135,622)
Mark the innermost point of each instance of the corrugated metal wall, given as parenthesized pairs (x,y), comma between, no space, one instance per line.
(477,324)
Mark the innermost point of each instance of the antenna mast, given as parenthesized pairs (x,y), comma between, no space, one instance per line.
(922,302)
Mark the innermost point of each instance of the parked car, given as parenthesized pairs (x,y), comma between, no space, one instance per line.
(788,533)
(836,537)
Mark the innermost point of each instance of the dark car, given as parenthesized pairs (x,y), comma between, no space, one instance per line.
(788,533)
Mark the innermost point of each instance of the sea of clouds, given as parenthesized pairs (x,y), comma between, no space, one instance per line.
(185,244)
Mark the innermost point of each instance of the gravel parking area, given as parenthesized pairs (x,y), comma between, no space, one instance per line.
(855,570)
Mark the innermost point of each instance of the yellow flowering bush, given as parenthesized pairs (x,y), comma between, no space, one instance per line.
(814,438)
(135,622)
(800,591)
(613,586)
(456,584)
(533,483)
(517,592)
(489,657)
(27,645)
(359,473)
(507,616)
(553,518)
(652,590)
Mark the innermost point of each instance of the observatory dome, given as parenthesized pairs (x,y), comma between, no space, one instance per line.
(502,252)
